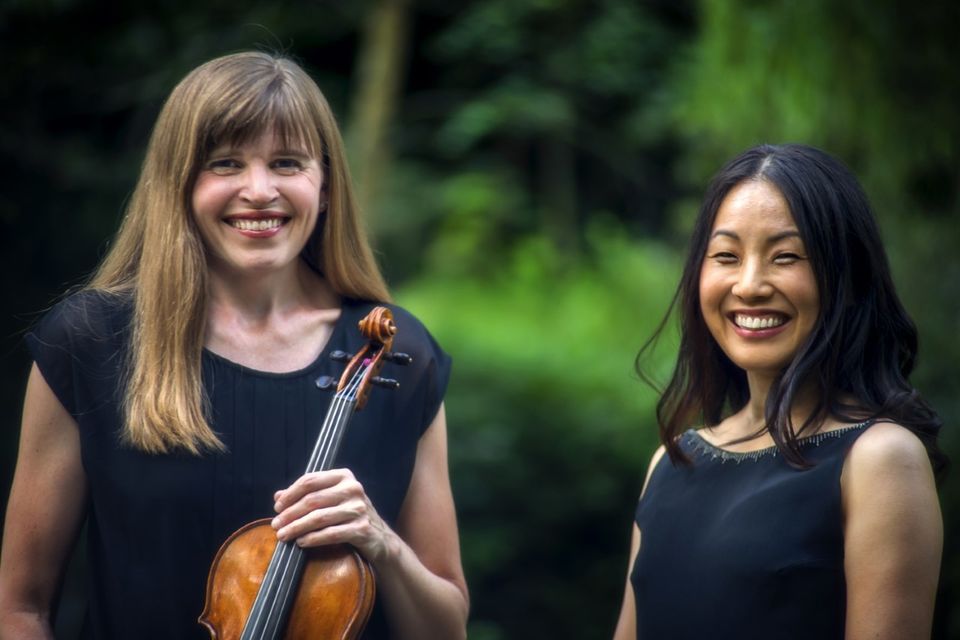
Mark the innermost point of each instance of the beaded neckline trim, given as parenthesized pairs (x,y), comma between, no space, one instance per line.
(714,452)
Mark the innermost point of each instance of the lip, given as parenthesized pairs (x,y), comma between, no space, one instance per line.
(758,313)
(258,215)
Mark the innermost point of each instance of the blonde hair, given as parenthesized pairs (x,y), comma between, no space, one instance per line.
(158,257)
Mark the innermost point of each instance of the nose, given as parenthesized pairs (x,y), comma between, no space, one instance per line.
(752,281)
(259,188)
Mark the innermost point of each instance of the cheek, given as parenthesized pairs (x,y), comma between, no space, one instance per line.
(200,198)
(808,297)
(812,310)
(711,293)
(710,299)
(209,196)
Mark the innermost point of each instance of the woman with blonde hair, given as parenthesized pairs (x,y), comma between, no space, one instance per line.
(174,398)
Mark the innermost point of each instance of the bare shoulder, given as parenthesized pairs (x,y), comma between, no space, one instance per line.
(656,457)
(889,448)
(654,460)
(887,469)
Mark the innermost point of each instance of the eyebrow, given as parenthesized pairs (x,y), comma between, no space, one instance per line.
(293,152)
(777,237)
(228,149)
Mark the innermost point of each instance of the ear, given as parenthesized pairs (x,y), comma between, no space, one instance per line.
(323,198)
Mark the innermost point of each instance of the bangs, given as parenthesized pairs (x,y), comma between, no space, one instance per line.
(275,108)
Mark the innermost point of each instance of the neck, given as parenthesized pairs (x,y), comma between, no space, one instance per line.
(257,297)
(752,417)
(754,413)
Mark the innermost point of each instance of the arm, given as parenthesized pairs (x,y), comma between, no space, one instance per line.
(419,573)
(46,507)
(627,623)
(893,536)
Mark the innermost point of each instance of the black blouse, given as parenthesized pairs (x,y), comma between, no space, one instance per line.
(155,522)
(742,545)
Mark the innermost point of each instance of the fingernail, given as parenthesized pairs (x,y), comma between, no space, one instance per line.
(275,523)
(276,506)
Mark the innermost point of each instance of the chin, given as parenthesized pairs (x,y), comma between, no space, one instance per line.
(765,367)
(755,361)
(253,267)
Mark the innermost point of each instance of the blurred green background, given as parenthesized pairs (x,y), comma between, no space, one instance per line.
(530,169)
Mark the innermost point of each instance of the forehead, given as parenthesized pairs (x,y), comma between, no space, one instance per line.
(266,141)
(754,206)
(255,118)
(275,137)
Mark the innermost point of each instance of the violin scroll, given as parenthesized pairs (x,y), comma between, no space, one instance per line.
(364,367)
(378,326)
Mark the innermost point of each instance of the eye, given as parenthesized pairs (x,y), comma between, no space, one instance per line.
(723,257)
(786,258)
(288,165)
(223,166)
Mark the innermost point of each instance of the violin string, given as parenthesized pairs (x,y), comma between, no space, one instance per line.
(285,554)
(328,444)
(288,557)
(293,560)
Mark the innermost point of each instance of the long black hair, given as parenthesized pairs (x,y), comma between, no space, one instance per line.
(863,345)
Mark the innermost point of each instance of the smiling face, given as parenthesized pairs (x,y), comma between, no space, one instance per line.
(256,205)
(758,292)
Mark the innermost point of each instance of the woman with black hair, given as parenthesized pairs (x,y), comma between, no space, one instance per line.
(805,506)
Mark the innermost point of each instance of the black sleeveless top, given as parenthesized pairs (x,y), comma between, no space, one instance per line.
(742,545)
(155,522)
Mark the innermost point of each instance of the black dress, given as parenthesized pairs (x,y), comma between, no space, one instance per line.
(155,522)
(742,545)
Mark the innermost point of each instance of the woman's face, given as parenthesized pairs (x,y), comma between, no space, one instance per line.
(758,294)
(257,205)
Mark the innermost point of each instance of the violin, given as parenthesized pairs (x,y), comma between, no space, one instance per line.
(261,589)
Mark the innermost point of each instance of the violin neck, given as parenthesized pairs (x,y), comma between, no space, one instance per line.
(331,433)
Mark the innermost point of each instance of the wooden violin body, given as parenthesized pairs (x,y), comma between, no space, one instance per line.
(334,597)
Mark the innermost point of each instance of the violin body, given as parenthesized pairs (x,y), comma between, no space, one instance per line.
(334,598)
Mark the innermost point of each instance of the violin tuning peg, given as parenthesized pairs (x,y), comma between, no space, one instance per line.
(340,356)
(326,382)
(399,358)
(387,383)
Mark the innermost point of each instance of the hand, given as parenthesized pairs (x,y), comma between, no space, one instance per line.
(330,507)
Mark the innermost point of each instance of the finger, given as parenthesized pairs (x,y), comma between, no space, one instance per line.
(346,491)
(307,504)
(308,483)
(335,534)
(369,537)
(314,520)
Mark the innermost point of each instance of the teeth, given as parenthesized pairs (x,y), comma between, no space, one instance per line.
(256,225)
(761,322)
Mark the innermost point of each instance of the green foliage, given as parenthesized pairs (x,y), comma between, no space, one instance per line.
(544,111)
(874,85)
(515,107)
(550,428)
